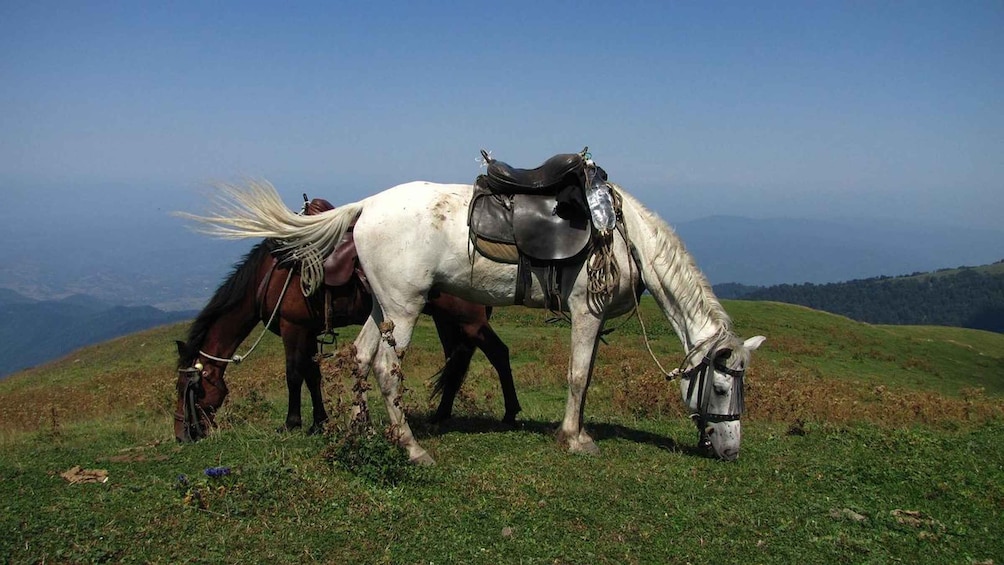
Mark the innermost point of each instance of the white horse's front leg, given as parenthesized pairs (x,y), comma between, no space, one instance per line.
(585,336)
(394,340)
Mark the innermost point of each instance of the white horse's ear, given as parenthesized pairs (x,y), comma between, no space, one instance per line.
(754,342)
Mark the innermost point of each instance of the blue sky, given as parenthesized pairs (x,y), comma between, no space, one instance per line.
(763,109)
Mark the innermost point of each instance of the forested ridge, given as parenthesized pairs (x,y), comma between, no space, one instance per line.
(969,297)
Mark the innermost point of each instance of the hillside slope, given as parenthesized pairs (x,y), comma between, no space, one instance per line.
(823,359)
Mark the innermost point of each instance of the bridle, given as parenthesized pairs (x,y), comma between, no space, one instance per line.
(702,382)
(191,414)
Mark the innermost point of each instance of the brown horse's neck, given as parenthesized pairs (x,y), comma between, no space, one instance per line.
(232,312)
(229,330)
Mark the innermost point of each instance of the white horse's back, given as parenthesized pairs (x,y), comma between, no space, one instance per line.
(418,235)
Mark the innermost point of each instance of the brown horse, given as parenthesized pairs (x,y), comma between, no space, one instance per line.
(261,289)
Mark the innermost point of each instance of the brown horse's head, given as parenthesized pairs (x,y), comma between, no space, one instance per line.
(201,392)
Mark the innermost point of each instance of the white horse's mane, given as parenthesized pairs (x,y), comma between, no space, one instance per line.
(667,258)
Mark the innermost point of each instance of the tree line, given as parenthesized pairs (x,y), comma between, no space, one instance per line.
(968,297)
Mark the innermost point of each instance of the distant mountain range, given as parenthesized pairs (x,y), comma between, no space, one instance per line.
(160,264)
(970,297)
(37,331)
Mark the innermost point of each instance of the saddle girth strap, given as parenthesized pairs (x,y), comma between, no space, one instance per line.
(551,283)
(523,279)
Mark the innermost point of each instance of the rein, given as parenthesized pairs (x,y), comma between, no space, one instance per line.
(236,359)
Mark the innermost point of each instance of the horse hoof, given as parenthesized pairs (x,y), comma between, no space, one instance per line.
(286,428)
(315,429)
(438,419)
(578,443)
(422,459)
(586,448)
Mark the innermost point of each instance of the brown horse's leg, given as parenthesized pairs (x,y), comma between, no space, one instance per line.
(462,326)
(498,355)
(458,356)
(294,339)
(312,374)
(301,365)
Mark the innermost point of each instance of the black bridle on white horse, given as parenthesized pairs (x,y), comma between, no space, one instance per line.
(702,380)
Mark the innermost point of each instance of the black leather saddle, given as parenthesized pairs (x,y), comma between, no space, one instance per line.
(549,178)
(533,218)
(541,212)
(534,225)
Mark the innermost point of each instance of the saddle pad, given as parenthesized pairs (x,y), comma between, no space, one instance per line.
(500,252)
(543,234)
(340,264)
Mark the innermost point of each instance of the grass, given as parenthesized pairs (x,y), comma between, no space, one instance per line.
(863,444)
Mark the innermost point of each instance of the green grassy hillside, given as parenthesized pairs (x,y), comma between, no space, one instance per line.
(862,444)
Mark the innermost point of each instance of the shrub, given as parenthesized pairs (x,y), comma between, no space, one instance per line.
(374,456)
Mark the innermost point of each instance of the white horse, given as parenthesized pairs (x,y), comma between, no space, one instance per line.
(413,238)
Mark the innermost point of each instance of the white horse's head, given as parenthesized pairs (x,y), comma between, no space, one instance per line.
(713,390)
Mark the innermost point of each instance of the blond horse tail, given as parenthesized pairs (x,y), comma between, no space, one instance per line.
(256,210)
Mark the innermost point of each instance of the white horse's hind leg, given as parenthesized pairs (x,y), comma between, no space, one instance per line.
(394,341)
(585,335)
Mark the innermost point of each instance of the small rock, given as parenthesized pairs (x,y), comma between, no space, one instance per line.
(837,514)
